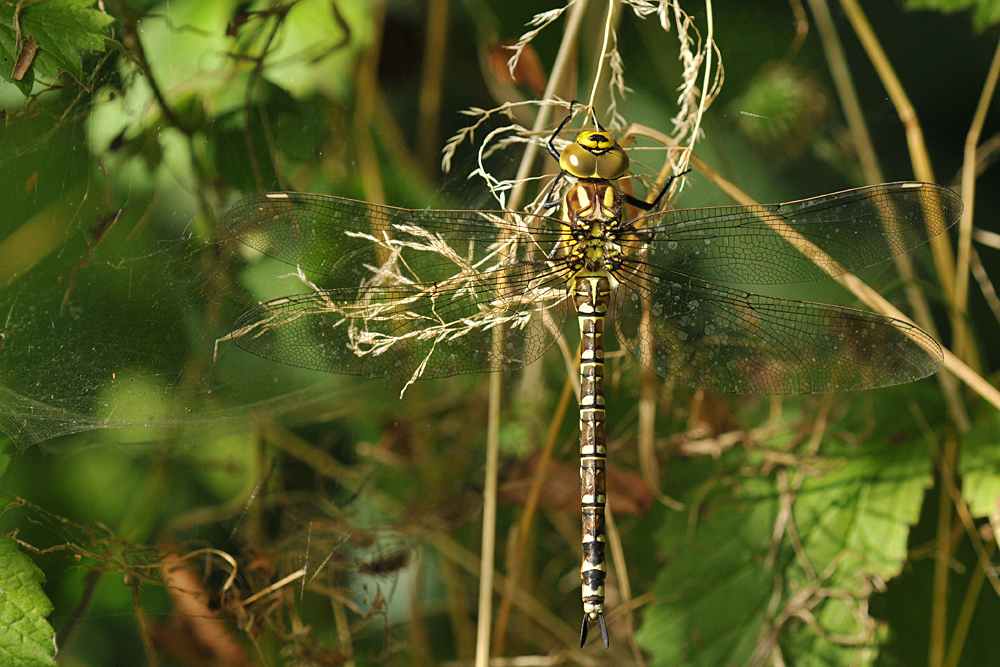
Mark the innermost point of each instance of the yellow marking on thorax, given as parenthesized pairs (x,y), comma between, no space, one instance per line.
(609,198)
(580,203)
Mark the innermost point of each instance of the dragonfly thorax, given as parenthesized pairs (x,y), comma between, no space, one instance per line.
(592,210)
(589,201)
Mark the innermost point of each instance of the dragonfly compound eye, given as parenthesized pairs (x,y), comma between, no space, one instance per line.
(612,164)
(594,155)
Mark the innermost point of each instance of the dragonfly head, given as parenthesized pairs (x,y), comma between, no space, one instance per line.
(594,155)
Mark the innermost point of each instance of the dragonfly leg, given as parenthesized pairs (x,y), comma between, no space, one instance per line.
(549,202)
(649,206)
(552,139)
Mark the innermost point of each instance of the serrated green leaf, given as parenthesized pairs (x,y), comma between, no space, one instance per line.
(980,466)
(861,513)
(26,638)
(63,29)
(732,592)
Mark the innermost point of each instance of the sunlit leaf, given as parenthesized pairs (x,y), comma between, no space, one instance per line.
(737,587)
(26,638)
(980,466)
(63,30)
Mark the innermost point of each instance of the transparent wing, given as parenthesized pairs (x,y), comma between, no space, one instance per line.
(473,322)
(763,245)
(713,337)
(332,235)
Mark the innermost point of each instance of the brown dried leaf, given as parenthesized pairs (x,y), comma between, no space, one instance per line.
(627,492)
(24,58)
(195,635)
(528,72)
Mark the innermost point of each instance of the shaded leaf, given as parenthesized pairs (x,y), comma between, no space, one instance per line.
(712,597)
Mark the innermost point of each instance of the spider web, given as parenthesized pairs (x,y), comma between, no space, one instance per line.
(113,282)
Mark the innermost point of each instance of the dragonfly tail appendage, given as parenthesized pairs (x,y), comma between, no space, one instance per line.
(586,625)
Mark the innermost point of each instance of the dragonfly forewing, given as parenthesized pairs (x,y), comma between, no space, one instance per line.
(497,321)
(798,241)
(342,238)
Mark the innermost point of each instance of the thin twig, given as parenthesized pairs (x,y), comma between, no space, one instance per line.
(572,29)
(488,549)
(363,110)
(528,514)
(963,342)
(621,575)
(840,72)
(946,539)
(941,244)
(559,69)
(432,82)
(90,583)
(140,617)
(533,609)
(964,620)
(942,554)
(985,284)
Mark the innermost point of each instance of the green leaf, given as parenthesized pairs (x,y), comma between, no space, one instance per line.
(713,596)
(26,638)
(987,12)
(63,29)
(738,587)
(980,466)
(860,514)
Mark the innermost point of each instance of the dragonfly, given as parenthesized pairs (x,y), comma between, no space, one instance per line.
(422,293)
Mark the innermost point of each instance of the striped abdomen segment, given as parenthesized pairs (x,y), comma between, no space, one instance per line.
(591,296)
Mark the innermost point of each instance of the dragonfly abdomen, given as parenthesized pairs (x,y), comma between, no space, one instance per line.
(591,297)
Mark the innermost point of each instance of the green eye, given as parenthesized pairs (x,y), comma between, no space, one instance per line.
(594,155)
(613,164)
(578,161)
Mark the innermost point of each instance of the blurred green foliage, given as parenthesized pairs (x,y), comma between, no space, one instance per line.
(985,14)
(152,456)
